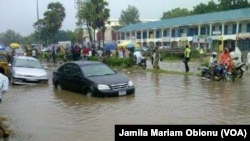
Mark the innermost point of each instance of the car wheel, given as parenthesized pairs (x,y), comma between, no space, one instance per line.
(57,85)
(11,81)
(89,93)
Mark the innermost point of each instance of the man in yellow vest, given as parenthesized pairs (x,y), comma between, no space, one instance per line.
(187,58)
(201,52)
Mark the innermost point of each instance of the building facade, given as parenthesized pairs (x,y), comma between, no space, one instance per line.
(213,31)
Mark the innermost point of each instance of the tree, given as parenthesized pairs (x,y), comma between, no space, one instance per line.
(52,21)
(177,12)
(129,16)
(10,36)
(93,14)
(233,4)
(66,36)
(205,8)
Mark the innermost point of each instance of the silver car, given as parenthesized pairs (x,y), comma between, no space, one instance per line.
(27,70)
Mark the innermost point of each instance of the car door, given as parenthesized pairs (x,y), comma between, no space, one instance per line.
(77,78)
(65,77)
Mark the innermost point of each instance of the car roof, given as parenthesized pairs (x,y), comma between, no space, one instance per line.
(82,63)
(25,57)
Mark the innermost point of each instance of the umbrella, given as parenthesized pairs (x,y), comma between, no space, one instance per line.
(14,45)
(129,44)
(2,47)
(110,46)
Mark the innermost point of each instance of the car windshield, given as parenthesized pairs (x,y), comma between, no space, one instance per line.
(97,70)
(27,63)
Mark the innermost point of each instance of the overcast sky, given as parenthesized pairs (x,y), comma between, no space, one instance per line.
(20,15)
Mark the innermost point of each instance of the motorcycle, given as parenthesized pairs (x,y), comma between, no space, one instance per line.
(220,73)
(238,70)
(142,64)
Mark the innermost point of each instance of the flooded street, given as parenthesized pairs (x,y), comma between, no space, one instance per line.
(42,113)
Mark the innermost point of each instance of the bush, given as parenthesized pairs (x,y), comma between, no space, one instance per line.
(119,62)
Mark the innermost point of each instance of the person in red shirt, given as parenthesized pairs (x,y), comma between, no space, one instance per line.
(85,52)
(225,58)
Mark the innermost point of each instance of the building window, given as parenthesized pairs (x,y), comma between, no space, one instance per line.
(158,34)
(240,28)
(226,29)
(234,28)
(138,35)
(144,35)
(203,31)
(195,31)
(173,33)
(248,27)
(165,33)
(190,32)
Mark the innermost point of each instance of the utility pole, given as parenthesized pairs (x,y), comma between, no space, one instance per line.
(39,26)
(78,4)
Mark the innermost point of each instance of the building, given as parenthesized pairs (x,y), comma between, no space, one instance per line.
(110,34)
(213,31)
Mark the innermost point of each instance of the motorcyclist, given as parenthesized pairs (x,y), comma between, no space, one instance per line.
(138,55)
(213,63)
(236,53)
(225,58)
(213,59)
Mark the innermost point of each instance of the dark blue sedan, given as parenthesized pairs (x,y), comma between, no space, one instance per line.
(92,78)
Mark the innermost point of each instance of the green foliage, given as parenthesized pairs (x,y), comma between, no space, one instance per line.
(129,16)
(94,14)
(52,22)
(177,12)
(9,37)
(211,6)
(119,62)
(195,53)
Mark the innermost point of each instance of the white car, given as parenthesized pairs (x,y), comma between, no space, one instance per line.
(27,70)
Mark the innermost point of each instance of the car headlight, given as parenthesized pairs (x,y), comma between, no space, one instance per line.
(103,87)
(130,83)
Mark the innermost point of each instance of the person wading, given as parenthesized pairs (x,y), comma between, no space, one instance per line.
(187,58)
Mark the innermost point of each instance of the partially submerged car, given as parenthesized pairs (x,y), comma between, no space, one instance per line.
(92,78)
(27,70)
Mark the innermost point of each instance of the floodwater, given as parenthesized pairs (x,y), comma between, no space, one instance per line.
(42,113)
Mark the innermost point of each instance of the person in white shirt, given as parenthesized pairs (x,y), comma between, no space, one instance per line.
(213,59)
(138,56)
(248,60)
(33,53)
(4,85)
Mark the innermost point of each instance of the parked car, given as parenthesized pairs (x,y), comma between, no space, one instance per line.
(4,61)
(164,48)
(92,78)
(46,49)
(26,70)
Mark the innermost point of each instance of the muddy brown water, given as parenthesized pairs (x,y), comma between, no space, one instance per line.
(42,113)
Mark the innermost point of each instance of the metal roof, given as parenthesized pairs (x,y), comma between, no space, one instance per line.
(215,17)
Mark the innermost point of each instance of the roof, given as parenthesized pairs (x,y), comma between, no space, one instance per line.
(215,17)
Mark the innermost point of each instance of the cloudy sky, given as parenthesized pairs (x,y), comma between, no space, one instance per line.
(20,15)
